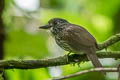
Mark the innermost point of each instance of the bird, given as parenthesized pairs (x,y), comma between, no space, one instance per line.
(73,38)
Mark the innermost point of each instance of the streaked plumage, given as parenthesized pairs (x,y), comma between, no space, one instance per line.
(73,38)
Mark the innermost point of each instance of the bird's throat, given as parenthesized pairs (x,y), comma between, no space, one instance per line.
(56,30)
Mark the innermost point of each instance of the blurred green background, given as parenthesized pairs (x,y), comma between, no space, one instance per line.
(23,39)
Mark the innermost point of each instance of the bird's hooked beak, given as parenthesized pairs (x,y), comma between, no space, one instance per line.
(45,27)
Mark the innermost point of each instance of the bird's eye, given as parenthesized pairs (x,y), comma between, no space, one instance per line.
(55,23)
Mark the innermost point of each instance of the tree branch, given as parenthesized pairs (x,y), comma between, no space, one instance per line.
(62,60)
(109,42)
(86,71)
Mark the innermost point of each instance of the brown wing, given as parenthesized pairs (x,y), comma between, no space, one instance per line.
(78,37)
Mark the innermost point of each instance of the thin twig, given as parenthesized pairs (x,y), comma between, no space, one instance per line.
(112,40)
(86,71)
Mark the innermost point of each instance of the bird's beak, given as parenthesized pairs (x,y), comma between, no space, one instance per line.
(45,27)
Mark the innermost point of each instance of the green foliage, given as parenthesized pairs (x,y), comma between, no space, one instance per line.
(19,43)
(27,74)
(1,77)
(97,16)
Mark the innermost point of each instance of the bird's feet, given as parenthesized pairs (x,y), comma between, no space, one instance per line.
(68,56)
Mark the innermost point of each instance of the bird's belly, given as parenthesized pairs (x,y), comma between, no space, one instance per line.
(67,47)
(71,48)
(63,45)
(80,53)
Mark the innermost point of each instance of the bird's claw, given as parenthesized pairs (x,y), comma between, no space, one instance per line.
(68,56)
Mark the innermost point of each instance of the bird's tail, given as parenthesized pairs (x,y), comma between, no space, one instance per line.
(94,60)
(91,54)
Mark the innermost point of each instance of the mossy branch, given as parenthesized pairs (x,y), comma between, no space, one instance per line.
(62,60)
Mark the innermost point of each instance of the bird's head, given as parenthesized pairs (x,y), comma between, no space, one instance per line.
(55,25)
